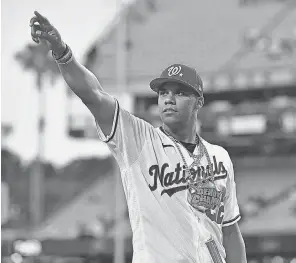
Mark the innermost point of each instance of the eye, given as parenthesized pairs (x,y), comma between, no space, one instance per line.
(180,93)
(162,92)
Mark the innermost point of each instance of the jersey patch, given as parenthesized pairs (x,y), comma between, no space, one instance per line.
(205,197)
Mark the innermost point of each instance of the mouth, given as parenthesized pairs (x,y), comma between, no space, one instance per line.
(169,110)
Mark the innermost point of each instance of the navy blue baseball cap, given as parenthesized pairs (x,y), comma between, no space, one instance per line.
(181,74)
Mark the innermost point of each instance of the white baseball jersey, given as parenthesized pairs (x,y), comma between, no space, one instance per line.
(165,223)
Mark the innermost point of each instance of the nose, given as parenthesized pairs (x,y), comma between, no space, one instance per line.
(170,99)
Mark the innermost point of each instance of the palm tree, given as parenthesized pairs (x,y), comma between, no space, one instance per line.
(35,58)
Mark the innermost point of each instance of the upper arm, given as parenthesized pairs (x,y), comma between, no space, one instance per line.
(88,88)
(231,229)
(234,244)
(231,234)
(102,106)
(124,133)
(231,213)
(127,137)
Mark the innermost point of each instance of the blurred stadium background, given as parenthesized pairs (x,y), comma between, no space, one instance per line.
(245,51)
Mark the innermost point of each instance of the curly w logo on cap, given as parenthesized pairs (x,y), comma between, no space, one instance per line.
(181,74)
(174,70)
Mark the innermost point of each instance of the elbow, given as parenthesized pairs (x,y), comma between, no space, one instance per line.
(87,88)
(80,80)
(90,96)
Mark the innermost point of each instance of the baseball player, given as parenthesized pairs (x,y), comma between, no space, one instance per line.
(179,188)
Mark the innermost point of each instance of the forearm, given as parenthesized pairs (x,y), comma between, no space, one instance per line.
(87,87)
(235,248)
(81,81)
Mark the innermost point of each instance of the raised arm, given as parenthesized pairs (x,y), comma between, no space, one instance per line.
(81,81)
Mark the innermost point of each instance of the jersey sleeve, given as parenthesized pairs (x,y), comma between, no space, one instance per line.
(231,211)
(127,137)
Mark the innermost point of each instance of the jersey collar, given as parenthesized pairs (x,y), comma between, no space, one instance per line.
(167,141)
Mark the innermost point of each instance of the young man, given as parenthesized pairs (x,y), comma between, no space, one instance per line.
(180,189)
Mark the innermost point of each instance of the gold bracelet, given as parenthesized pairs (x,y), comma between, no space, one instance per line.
(56,57)
(66,58)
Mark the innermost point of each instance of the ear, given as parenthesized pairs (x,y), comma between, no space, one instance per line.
(200,102)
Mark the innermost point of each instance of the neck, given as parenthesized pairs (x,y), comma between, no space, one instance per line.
(186,134)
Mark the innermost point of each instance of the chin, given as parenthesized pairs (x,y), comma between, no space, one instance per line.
(170,121)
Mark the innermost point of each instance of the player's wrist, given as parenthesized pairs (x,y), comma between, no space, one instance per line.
(60,51)
(65,57)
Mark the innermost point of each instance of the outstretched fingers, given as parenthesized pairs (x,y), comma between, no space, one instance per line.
(41,19)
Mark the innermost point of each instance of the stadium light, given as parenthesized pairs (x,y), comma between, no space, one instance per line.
(28,247)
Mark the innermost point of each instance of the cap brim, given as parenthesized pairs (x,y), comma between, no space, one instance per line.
(155,84)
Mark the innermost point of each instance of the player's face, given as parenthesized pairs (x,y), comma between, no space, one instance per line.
(177,104)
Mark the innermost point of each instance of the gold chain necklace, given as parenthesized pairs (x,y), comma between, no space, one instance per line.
(196,160)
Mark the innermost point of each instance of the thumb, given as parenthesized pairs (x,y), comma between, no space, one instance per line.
(43,35)
(45,42)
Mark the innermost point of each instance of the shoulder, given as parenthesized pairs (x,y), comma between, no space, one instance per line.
(129,120)
(220,154)
(158,134)
(217,150)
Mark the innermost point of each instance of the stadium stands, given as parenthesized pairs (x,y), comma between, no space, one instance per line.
(173,33)
(91,212)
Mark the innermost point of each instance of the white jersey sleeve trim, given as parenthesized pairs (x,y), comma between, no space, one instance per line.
(232,221)
(114,126)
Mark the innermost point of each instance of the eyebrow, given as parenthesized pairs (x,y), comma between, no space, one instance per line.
(181,88)
(176,90)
